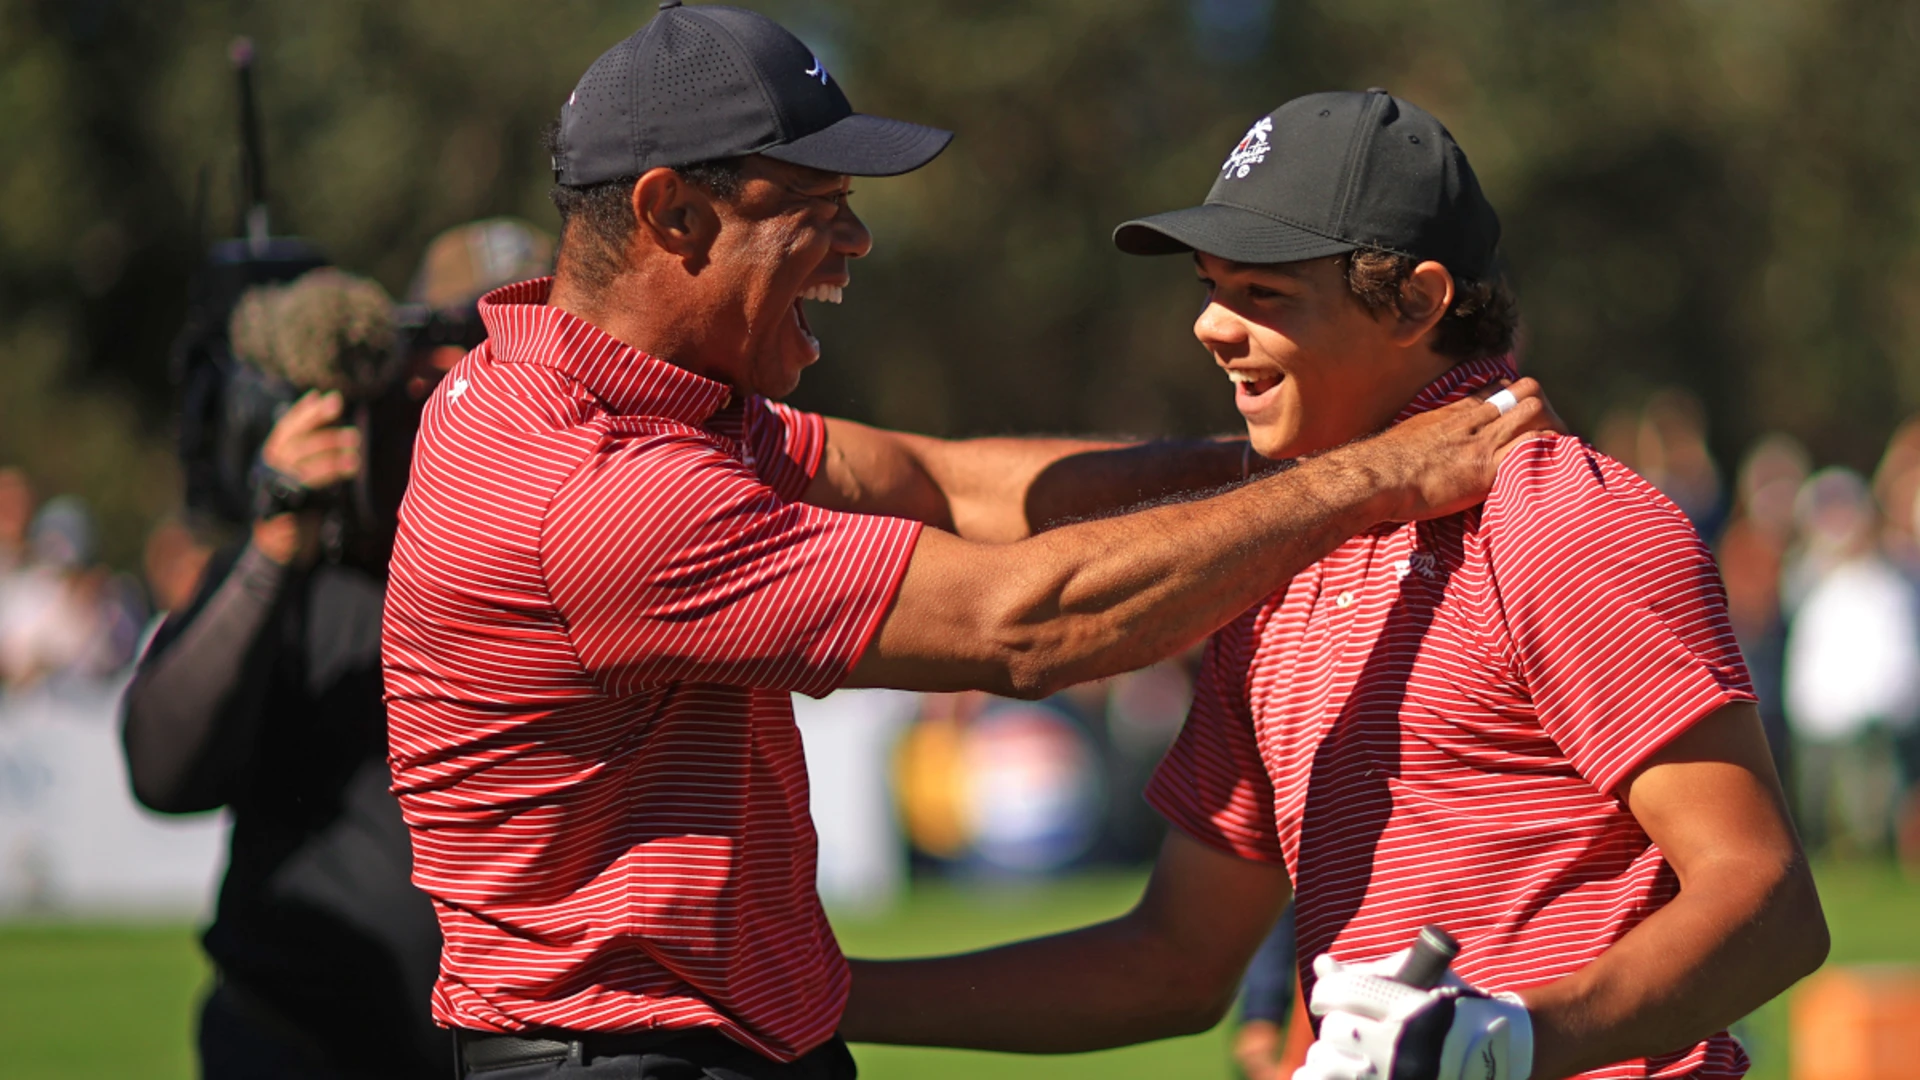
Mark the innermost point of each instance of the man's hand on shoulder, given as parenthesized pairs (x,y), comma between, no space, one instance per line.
(1444,461)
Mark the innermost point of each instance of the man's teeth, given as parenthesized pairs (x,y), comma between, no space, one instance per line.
(829,294)
(1248,377)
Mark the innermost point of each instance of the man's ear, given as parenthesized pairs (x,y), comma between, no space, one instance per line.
(675,216)
(1424,299)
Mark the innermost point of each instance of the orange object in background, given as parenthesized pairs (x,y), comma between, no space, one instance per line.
(1299,1034)
(1857,1023)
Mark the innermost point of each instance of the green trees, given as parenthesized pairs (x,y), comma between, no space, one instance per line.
(1703,193)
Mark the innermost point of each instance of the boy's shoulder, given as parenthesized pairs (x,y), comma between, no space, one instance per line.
(1556,490)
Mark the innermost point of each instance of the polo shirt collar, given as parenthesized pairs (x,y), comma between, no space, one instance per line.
(1459,381)
(522,328)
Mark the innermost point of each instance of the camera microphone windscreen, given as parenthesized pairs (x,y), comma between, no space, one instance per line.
(325,330)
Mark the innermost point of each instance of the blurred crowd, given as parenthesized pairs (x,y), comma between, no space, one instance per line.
(1822,569)
(63,617)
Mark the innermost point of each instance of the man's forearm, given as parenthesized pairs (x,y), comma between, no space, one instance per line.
(1103,986)
(1731,941)
(1139,588)
(1001,490)
(1097,598)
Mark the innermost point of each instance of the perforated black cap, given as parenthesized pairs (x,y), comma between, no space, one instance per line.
(697,84)
(1328,173)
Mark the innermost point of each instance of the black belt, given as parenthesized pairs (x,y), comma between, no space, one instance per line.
(483,1052)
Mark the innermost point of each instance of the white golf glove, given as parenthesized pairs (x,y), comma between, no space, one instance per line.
(1374,1028)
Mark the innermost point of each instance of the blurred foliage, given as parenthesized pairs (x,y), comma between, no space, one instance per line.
(1703,193)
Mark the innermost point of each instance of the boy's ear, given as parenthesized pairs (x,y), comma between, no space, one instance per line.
(1425,297)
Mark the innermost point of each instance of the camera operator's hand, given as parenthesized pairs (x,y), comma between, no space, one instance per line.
(306,447)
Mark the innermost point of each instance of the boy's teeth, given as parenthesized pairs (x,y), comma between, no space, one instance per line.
(1240,377)
(830,294)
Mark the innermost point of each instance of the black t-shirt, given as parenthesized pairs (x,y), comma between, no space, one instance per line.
(317,917)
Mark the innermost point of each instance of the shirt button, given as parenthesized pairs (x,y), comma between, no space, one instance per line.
(1344,600)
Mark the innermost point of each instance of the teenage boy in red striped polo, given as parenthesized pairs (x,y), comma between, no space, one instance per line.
(618,558)
(1527,722)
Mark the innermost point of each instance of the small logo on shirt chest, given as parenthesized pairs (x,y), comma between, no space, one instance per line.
(1423,564)
(459,388)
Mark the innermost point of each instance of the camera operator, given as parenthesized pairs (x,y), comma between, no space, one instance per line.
(264,694)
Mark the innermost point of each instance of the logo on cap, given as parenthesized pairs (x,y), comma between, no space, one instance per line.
(1251,151)
(819,70)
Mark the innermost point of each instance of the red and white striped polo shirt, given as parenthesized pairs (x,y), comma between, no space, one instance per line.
(1429,724)
(604,591)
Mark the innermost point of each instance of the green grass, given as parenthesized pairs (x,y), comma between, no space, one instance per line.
(83,1000)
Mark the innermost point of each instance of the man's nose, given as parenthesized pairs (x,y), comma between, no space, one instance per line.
(850,235)
(1217,326)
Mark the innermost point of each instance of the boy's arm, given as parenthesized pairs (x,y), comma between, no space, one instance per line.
(1168,967)
(1746,925)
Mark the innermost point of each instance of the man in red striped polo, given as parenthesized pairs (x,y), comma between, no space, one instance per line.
(618,557)
(1527,721)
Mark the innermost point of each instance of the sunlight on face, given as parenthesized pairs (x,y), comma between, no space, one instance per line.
(1310,367)
(789,233)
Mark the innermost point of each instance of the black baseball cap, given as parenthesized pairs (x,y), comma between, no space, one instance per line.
(1329,173)
(700,83)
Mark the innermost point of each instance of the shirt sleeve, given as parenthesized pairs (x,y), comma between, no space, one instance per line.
(787,446)
(672,562)
(1615,611)
(1213,784)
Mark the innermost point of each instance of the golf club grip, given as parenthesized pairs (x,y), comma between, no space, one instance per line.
(1427,964)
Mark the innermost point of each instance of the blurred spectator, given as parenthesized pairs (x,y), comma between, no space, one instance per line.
(1753,552)
(173,561)
(1852,668)
(1896,483)
(1671,452)
(61,616)
(16,510)
(1618,436)
(1666,442)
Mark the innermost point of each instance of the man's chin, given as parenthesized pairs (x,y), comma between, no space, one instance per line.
(1272,441)
(776,389)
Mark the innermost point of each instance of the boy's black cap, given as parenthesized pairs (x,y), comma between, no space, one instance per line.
(710,82)
(1328,173)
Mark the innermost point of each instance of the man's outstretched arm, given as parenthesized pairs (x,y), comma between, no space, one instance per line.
(1000,490)
(1168,967)
(1746,925)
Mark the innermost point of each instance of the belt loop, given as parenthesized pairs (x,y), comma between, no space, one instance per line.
(576,1052)
(459,1065)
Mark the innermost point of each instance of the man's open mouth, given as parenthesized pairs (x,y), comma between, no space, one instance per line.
(1253,384)
(825,294)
